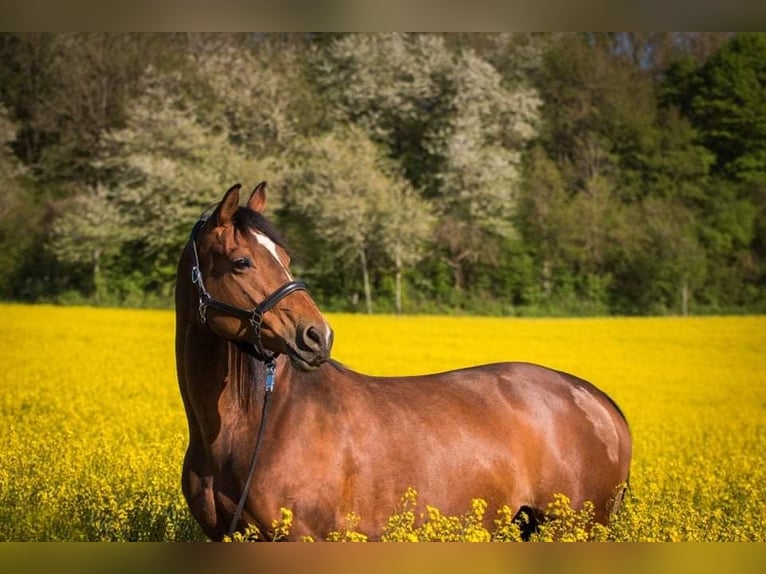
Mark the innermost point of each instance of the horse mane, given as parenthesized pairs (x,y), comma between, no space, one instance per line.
(244,373)
(245,220)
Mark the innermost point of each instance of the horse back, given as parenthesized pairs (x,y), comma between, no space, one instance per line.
(510,433)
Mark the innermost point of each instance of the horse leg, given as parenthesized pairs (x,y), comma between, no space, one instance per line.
(528,519)
(197,487)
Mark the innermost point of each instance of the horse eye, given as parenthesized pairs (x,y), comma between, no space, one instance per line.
(241,263)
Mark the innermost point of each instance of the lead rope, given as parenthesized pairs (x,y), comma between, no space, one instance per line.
(270,377)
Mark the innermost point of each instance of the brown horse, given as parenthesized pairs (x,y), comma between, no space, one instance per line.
(330,441)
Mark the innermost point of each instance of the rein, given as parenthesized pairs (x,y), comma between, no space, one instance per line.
(270,376)
(255,317)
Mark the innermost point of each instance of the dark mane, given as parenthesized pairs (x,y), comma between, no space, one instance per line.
(245,373)
(246,220)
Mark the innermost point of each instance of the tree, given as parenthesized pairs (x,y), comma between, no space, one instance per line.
(571,172)
(577,236)
(257,90)
(356,202)
(10,167)
(67,90)
(540,214)
(729,105)
(406,229)
(89,228)
(723,98)
(599,114)
(450,119)
(19,216)
(396,87)
(660,265)
(161,171)
(480,150)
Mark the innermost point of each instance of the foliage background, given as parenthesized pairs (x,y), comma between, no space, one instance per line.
(515,174)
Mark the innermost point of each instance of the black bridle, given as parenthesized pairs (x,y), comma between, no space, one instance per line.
(255,317)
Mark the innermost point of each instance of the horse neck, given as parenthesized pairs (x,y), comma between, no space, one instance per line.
(217,363)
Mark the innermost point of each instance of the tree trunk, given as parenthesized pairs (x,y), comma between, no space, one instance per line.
(546,278)
(98,287)
(457,273)
(684,297)
(398,295)
(366,278)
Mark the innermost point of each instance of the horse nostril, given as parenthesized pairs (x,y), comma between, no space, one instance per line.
(314,343)
(314,335)
(312,339)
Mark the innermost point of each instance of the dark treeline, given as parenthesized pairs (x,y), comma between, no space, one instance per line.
(492,173)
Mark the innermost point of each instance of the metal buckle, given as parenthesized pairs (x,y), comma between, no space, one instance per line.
(270,375)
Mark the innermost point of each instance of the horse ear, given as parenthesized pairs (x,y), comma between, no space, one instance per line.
(225,210)
(257,201)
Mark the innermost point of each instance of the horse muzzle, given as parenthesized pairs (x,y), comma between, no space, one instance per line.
(311,347)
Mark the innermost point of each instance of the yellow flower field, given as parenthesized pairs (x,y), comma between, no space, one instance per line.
(92,429)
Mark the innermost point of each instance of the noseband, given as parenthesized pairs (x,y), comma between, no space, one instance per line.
(254,316)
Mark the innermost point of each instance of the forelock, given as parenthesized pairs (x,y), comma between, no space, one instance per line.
(246,220)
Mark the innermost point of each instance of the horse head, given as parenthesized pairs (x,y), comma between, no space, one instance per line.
(247,293)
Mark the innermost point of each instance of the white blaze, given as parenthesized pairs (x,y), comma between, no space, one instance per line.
(272,248)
